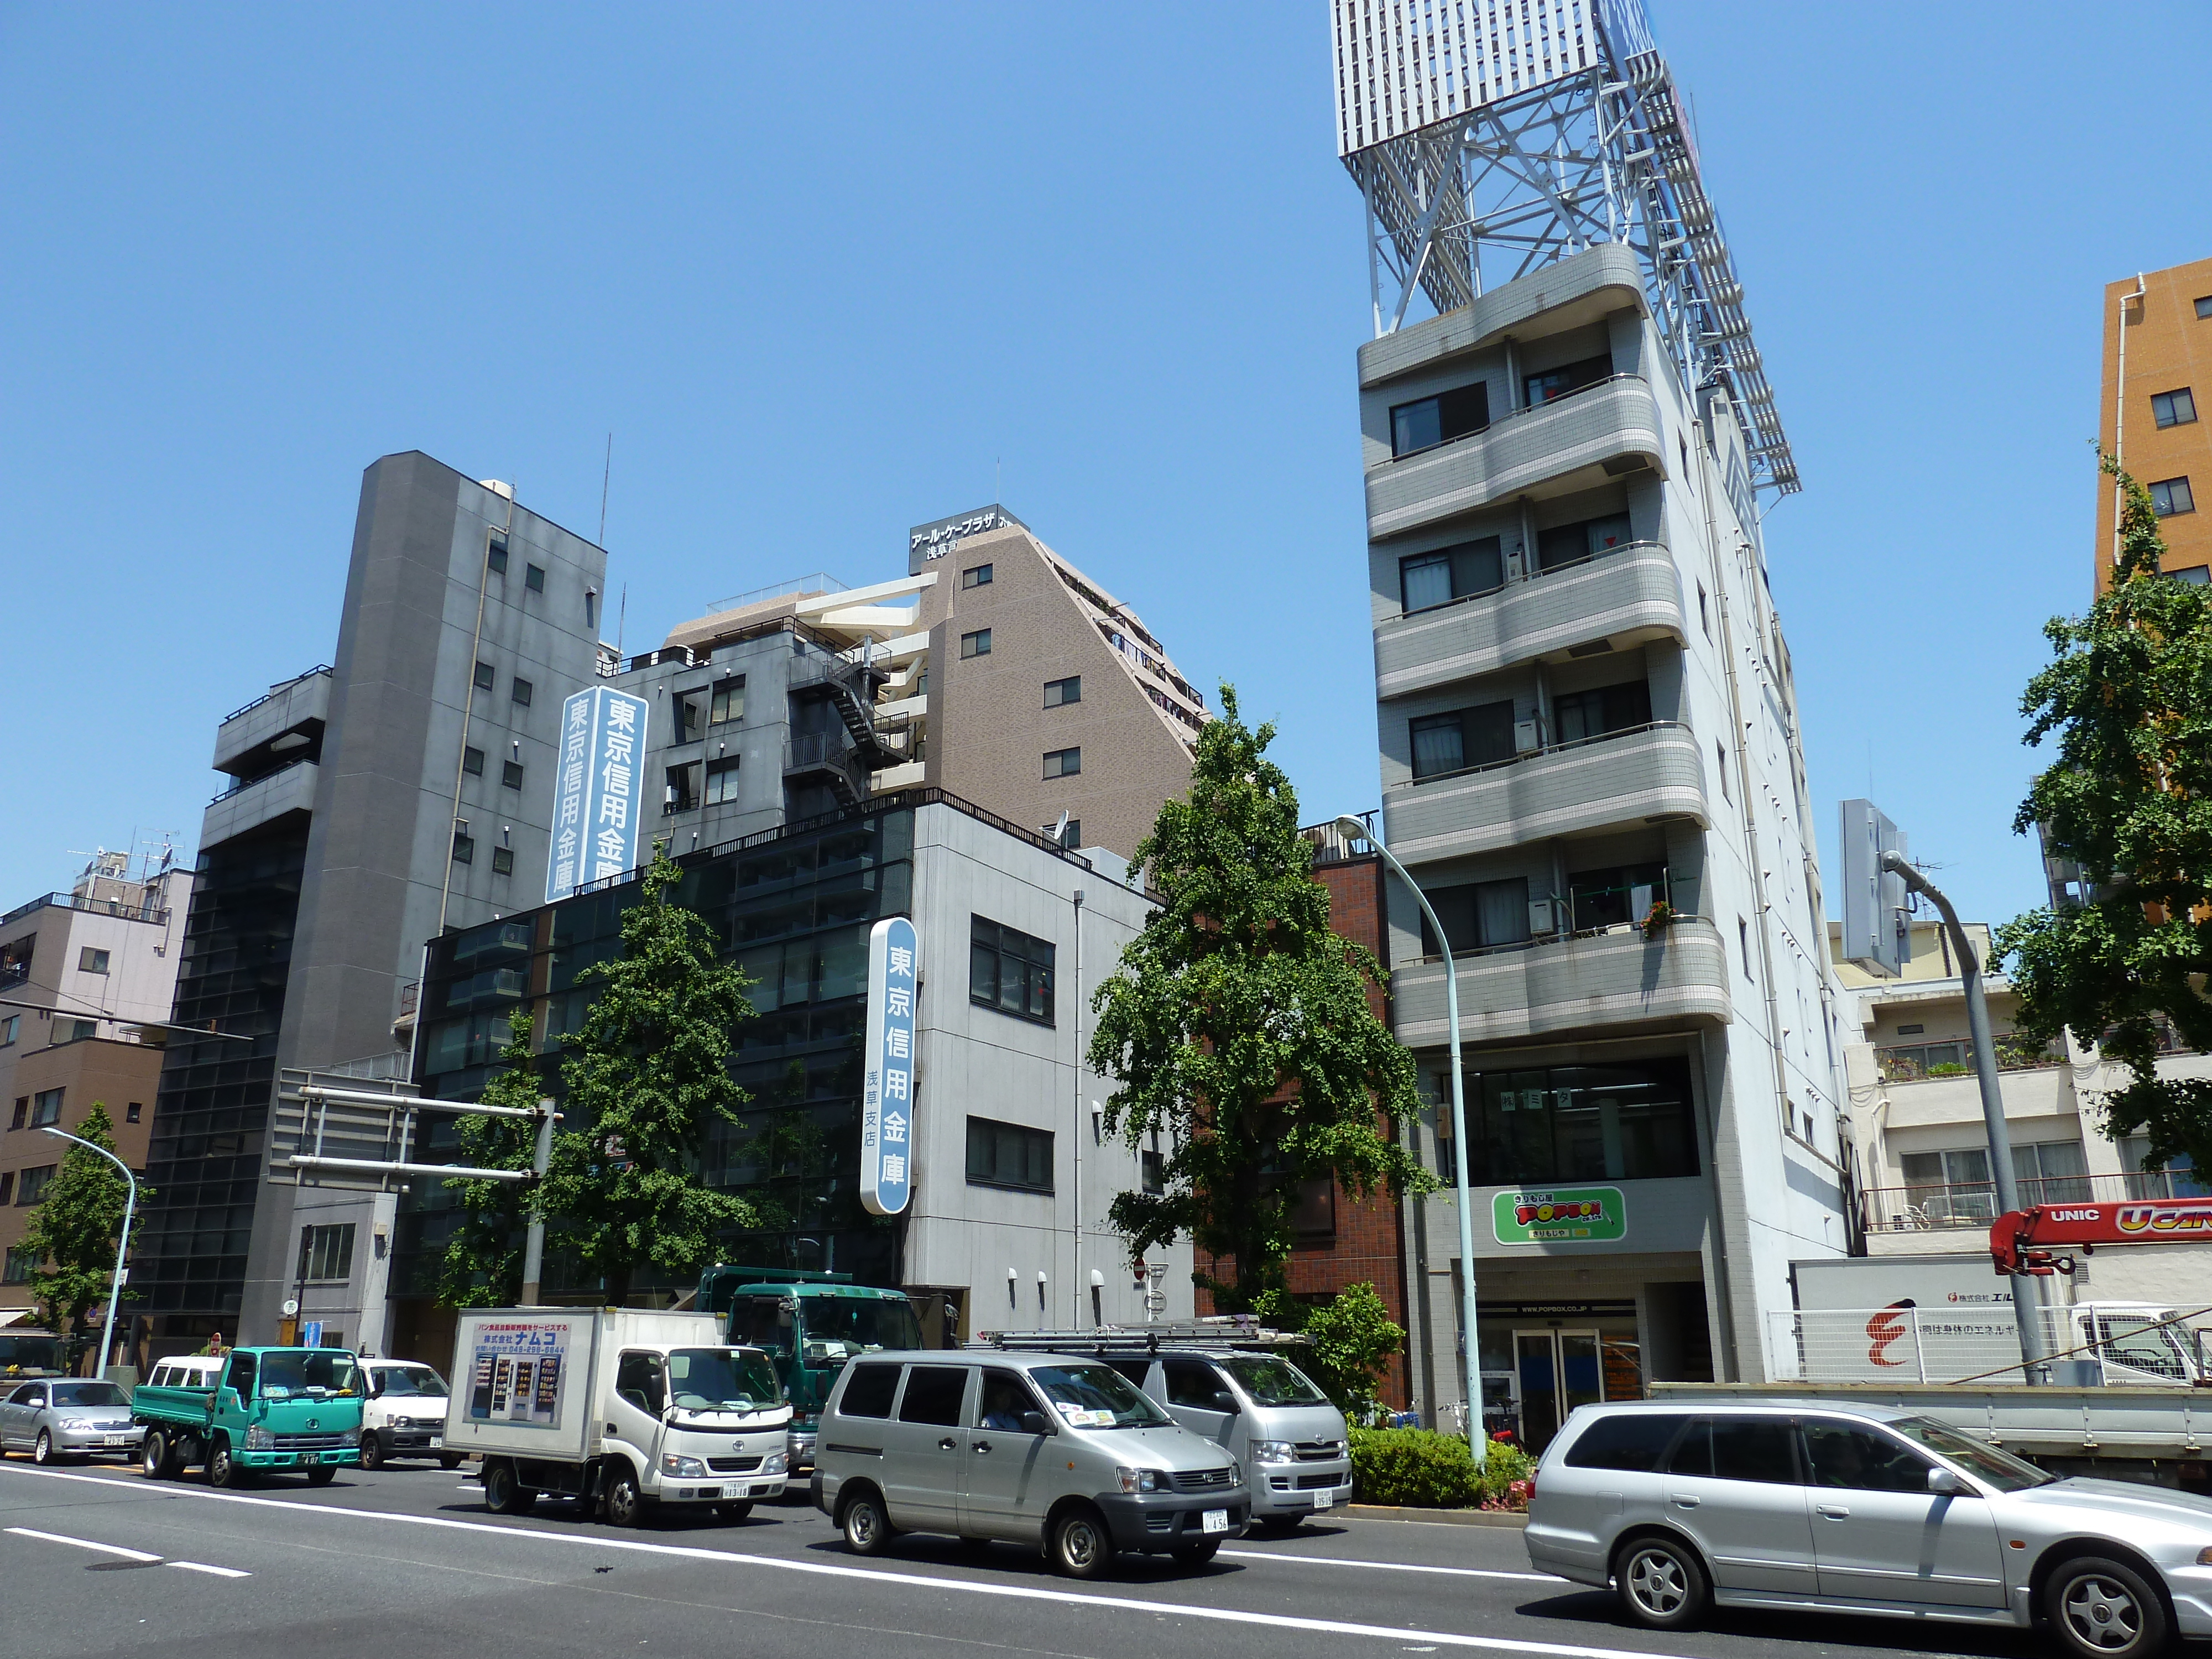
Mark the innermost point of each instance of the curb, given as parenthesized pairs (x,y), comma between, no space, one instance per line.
(1435,1517)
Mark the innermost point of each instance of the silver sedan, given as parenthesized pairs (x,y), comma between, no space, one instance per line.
(1863,1509)
(63,1417)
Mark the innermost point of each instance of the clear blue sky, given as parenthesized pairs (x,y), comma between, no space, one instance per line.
(822,270)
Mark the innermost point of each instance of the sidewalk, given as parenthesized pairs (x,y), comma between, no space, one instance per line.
(1434,1517)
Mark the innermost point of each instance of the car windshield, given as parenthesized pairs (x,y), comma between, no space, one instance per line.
(837,1328)
(287,1372)
(90,1394)
(721,1380)
(1097,1397)
(1272,1382)
(2000,1469)
(403,1379)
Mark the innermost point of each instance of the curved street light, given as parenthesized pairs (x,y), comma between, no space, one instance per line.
(123,1245)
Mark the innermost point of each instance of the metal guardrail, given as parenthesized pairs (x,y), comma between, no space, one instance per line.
(241,786)
(1973,1204)
(1917,1062)
(274,691)
(90,906)
(1543,749)
(807,587)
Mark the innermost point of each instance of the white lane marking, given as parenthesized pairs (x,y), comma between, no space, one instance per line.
(1390,1566)
(201,1567)
(83,1544)
(908,1581)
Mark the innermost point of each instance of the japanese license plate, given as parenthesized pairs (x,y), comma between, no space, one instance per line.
(115,1440)
(436,1440)
(1324,1498)
(1215,1521)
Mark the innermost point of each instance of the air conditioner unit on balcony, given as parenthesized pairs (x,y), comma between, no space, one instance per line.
(1524,738)
(1543,918)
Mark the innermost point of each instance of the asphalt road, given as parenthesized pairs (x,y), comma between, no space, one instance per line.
(407,1563)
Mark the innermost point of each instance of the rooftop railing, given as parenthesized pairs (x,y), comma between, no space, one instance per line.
(1918,1062)
(274,691)
(244,784)
(151,912)
(1969,1205)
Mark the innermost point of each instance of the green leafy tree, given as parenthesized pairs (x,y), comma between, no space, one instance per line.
(1352,1337)
(2128,699)
(647,1077)
(1237,1027)
(74,1232)
(483,1264)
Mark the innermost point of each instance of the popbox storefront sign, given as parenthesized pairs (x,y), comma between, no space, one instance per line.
(887,1079)
(1559,1215)
(597,800)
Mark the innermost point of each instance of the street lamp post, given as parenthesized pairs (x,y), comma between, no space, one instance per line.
(1478,1442)
(123,1245)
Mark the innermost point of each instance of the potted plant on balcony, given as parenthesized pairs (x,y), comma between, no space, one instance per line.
(1657,919)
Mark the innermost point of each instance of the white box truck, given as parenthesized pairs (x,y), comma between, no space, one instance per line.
(615,1406)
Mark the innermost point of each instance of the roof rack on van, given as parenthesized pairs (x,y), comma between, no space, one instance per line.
(1224,1334)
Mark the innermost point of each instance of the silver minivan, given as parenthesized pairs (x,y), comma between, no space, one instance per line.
(1055,1450)
(1266,1412)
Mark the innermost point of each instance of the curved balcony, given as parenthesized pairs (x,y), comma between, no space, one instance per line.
(1624,777)
(1603,431)
(1614,978)
(1628,595)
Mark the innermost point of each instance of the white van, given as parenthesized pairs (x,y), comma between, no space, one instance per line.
(197,1370)
(404,1415)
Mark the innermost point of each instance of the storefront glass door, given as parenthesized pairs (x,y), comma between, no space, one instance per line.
(1554,1371)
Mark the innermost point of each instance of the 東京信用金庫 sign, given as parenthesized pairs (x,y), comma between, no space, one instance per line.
(598,797)
(887,1088)
(1559,1215)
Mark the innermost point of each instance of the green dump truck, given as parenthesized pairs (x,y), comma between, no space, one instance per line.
(296,1409)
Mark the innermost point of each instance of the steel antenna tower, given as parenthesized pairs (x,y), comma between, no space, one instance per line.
(1489,137)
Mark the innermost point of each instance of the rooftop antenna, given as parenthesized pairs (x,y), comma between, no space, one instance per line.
(620,618)
(605,474)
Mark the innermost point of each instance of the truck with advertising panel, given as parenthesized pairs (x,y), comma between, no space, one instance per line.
(809,1325)
(285,1409)
(619,1409)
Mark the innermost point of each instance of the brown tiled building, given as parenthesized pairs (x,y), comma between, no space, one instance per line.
(2158,367)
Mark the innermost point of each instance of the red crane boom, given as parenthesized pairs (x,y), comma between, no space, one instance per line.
(2021,1241)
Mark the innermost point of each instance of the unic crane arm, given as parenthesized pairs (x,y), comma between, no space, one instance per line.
(2022,1241)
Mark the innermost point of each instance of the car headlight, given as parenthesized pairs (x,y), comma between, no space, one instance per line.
(1139,1480)
(258,1437)
(351,1437)
(684,1468)
(1236,1473)
(775,1463)
(1273,1451)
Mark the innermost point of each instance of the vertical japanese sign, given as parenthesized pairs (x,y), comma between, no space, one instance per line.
(597,796)
(887,1082)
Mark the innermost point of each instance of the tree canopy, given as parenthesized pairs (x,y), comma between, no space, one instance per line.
(2127,699)
(1237,1027)
(74,1232)
(482,1263)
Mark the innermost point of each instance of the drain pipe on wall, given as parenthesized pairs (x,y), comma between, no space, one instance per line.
(2120,408)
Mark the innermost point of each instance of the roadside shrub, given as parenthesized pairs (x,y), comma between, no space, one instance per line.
(1421,1469)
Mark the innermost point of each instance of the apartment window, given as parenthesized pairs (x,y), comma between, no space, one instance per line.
(502,860)
(1604,708)
(1058,693)
(1427,421)
(74,1030)
(328,1251)
(977,644)
(485,674)
(6,1186)
(1570,543)
(134,1111)
(976,576)
(533,578)
(1629,1121)
(22,1264)
(1613,897)
(1550,385)
(2172,408)
(2195,575)
(728,701)
(1704,612)
(1010,971)
(1743,940)
(32,1186)
(89,960)
(465,846)
(522,692)
(1152,1170)
(591,609)
(2204,306)
(1063,762)
(472,761)
(8,1028)
(688,709)
(495,553)
(1464,737)
(22,1112)
(2058,1169)
(510,774)
(681,793)
(722,780)
(2170,495)
(1071,833)
(1720,769)
(1478,915)
(47,1107)
(1438,577)
(1008,1155)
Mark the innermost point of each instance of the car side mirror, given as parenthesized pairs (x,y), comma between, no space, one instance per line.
(1224,1401)
(1034,1423)
(1944,1484)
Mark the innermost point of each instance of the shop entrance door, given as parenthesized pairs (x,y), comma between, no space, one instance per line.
(1554,1371)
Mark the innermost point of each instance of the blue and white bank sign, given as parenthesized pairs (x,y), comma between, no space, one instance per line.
(887,1079)
(596,793)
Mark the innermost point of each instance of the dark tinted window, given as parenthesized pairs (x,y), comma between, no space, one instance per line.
(1739,1449)
(932,1394)
(1632,1440)
(1438,420)
(1134,1370)
(1861,1460)
(1631,1120)
(1190,1383)
(1450,573)
(1006,1401)
(868,1391)
(1010,971)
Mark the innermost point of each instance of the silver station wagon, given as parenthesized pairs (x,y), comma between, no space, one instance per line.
(1866,1510)
(1051,1451)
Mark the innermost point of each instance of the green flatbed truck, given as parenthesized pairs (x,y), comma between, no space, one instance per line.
(292,1409)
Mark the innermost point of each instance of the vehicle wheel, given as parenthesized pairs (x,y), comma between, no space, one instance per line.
(1662,1583)
(1081,1547)
(867,1526)
(1196,1555)
(503,1493)
(625,1503)
(372,1452)
(322,1474)
(733,1511)
(450,1460)
(2105,1610)
(42,1448)
(223,1469)
(154,1455)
